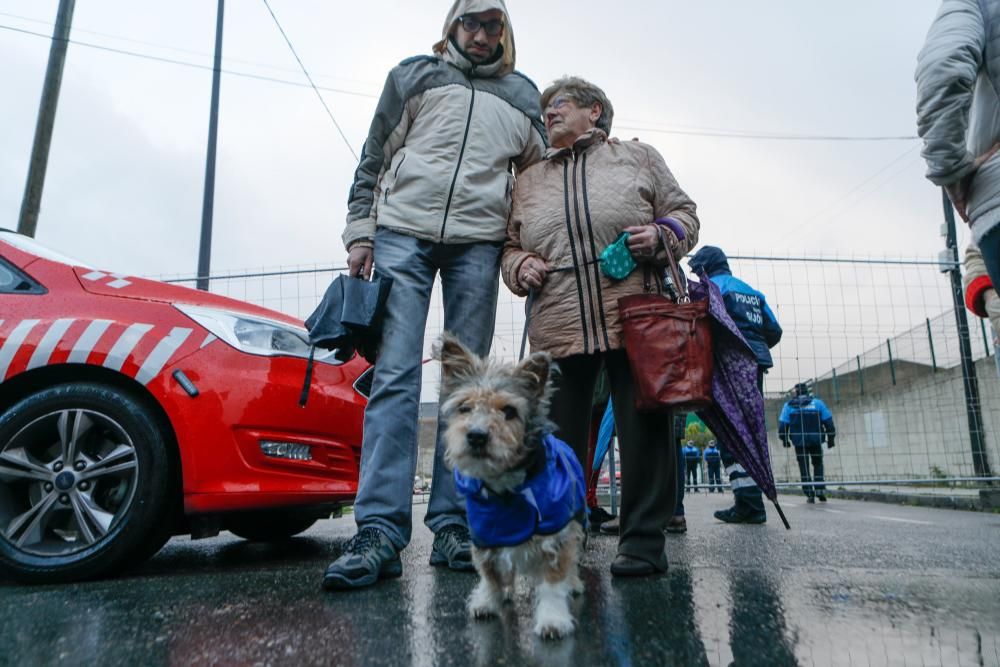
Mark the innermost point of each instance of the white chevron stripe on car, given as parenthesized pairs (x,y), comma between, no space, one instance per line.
(40,357)
(124,345)
(161,354)
(85,345)
(13,344)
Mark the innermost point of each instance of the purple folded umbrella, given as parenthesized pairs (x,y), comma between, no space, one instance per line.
(737,415)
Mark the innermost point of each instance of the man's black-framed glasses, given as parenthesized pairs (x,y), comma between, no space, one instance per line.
(472,25)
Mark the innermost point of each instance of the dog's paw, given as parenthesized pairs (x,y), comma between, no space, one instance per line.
(483,611)
(484,603)
(553,627)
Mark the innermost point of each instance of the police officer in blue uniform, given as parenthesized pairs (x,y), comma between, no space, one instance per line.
(804,422)
(760,328)
(713,461)
(692,459)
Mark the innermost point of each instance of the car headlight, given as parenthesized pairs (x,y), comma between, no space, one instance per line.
(254,334)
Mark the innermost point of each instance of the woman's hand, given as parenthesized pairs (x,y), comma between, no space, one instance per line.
(644,240)
(532,272)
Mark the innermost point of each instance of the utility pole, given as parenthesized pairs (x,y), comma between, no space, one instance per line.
(973,408)
(32,201)
(208,204)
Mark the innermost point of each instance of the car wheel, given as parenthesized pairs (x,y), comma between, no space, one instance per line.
(269,526)
(85,480)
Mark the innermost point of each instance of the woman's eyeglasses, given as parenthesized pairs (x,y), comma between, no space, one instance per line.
(472,25)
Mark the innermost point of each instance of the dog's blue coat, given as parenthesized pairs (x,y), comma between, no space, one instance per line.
(541,505)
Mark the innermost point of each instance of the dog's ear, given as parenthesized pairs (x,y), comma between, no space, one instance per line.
(534,371)
(457,362)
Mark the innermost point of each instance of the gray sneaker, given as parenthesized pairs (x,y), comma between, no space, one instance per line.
(367,557)
(452,547)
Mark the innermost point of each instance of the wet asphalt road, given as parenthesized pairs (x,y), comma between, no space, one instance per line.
(852,584)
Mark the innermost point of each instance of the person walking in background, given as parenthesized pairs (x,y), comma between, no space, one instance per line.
(553,249)
(713,463)
(692,461)
(804,422)
(431,196)
(958,116)
(760,328)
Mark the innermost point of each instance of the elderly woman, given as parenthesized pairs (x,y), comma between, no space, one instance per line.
(567,209)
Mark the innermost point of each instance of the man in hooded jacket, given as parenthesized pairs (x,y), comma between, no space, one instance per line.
(760,328)
(431,196)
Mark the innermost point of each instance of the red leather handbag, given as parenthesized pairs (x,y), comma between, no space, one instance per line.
(669,346)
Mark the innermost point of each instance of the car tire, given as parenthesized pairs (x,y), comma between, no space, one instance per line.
(270,525)
(86,482)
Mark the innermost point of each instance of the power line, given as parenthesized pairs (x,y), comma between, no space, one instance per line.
(184,63)
(720,133)
(838,206)
(304,71)
(740,134)
(168,47)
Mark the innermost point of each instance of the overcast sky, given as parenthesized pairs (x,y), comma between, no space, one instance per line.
(125,178)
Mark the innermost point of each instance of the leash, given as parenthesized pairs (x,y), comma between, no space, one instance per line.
(530,302)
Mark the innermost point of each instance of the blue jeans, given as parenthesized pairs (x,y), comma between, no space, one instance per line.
(469,281)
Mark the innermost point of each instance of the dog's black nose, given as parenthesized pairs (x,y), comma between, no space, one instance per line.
(477,438)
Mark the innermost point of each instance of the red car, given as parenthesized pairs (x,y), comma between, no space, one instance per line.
(132,410)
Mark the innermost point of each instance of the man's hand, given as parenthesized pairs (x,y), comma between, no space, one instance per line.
(829,442)
(359,262)
(532,272)
(958,192)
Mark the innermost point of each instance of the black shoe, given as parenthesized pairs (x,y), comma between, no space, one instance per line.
(452,547)
(732,515)
(822,498)
(612,527)
(627,566)
(599,516)
(677,524)
(812,500)
(366,558)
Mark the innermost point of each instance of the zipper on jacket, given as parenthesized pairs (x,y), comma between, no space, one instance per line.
(461,154)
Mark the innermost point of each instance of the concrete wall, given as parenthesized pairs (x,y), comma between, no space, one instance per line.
(916,428)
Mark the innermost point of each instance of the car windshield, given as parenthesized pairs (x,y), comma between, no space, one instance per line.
(30,245)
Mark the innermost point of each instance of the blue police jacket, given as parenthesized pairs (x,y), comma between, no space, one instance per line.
(745,305)
(541,505)
(804,420)
(713,456)
(691,453)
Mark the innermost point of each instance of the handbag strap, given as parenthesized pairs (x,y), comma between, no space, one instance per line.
(675,274)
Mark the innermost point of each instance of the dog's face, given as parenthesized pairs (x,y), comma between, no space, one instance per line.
(495,412)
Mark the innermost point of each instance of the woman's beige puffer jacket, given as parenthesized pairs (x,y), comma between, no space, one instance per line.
(567,209)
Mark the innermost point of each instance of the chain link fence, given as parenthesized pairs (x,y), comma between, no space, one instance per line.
(877,339)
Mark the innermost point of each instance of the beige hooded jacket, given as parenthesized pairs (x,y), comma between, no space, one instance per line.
(438,161)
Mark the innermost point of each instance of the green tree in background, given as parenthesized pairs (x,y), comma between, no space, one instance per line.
(697,432)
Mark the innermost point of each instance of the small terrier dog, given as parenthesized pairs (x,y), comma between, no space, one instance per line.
(524,488)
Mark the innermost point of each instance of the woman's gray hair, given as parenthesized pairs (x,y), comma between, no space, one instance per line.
(585,94)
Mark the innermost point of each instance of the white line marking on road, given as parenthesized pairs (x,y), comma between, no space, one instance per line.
(892,518)
(834,511)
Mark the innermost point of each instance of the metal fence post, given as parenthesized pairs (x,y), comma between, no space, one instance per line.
(930,340)
(973,411)
(892,366)
(836,387)
(861,375)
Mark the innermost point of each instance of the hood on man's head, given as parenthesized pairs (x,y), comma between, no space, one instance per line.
(463,7)
(711,260)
